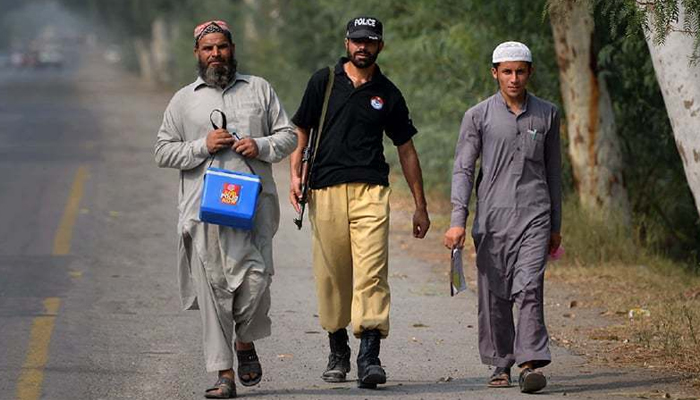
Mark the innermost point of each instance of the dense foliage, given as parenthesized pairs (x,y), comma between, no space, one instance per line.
(438,53)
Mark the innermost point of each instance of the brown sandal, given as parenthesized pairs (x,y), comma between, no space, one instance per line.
(226,389)
(531,381)
(500,378)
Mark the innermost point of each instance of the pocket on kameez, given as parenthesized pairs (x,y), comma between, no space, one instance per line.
(533,144)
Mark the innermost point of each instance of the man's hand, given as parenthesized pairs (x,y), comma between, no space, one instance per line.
(421,223)
(218,140)
(246,147)
(295,192)
(554,242)
(454,237)
(296,167)
(414,177)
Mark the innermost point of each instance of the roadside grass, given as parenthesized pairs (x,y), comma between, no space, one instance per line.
(655,301)
(655,309)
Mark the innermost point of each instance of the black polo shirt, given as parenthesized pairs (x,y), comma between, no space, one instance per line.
(351,147)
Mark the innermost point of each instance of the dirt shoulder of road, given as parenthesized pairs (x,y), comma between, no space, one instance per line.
(617,316)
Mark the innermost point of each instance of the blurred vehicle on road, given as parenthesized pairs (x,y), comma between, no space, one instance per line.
(49,59)
(5,60)
(17,59)
(113,55)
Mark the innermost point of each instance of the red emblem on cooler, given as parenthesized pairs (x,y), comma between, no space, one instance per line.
(230,194)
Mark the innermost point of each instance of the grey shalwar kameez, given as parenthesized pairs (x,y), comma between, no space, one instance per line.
(518,206)
(225,272)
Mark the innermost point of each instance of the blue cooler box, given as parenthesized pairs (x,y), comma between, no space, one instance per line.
(229,198)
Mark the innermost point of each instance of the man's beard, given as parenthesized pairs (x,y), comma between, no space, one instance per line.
(217,75)
(364,63)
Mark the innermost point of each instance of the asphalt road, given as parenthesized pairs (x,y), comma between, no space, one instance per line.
(88,292)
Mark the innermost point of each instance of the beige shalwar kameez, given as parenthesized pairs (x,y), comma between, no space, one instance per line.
(225,272)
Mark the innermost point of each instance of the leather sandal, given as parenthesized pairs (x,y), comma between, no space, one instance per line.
(224,388)
(248,364)
(531,381)
(500,378)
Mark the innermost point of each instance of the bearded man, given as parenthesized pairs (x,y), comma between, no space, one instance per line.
(225,272)
(349,197)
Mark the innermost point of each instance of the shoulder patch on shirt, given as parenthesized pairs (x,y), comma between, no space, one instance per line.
(376,102)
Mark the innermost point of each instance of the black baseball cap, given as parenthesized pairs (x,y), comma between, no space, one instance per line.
(364,28)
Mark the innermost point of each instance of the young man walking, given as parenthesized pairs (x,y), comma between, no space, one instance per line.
(518,215)
(349,200)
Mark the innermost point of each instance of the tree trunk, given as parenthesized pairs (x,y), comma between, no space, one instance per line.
(161,50)
(250,30)
(143,56)
(680,85)
(594,147)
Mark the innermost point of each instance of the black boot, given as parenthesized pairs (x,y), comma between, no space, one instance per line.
(369,368)
(339,359)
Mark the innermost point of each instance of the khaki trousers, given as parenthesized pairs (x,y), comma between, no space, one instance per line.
(350,225)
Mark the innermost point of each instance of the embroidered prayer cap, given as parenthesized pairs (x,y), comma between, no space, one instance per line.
(511,51)
(216,26)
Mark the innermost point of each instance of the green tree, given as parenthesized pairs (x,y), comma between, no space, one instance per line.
(438,54)
(662,205)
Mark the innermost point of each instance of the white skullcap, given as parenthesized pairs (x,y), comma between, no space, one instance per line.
(511,51)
